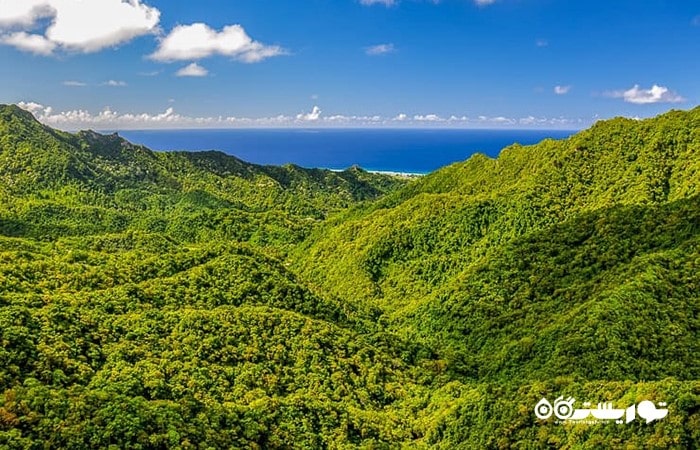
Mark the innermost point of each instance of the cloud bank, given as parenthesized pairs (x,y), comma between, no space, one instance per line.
(109,119)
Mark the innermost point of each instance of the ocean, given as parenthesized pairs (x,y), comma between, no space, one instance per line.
(406,150)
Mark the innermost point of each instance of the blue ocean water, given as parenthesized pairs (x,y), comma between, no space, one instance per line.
(405,150)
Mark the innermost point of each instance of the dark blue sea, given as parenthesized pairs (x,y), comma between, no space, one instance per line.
(406,150)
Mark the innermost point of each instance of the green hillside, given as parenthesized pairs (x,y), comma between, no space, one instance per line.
(90,183)
(192,300)
(429,231)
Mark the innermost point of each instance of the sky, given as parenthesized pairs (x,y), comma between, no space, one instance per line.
(155,64)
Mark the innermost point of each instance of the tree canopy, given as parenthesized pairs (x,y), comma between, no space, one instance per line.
(154,300)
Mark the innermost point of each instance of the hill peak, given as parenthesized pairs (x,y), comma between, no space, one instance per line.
(11,110)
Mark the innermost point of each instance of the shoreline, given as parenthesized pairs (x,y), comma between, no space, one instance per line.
(398,174)
(392,173)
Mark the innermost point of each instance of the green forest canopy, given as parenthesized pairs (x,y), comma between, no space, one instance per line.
(193,300)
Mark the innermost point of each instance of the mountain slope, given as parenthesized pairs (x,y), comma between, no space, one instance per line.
(216,346)
(144,289)
(193,300)
(428,231)
(90,183)
(611,294)
(572,260)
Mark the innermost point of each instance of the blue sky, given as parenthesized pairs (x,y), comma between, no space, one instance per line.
(415,63)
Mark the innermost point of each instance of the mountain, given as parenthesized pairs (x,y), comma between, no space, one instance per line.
(572,259)
(89,183)
(193,300)
(446,220)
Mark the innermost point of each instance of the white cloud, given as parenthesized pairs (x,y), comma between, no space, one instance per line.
(378,2)
(312,116)
(107,118)
(75,25)
(427,118)
(656,94)
(32,107)
(114,83)
(381,49)
(562,90)
(484,2)
(73,83)
(32,43)
(170,119)
(192,70)
(197,41)
(498,120)
(24,13)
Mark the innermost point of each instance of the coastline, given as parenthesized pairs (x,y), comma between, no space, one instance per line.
(398,174)
(391,173)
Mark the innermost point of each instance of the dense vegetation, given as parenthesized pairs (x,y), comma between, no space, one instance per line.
(192,300)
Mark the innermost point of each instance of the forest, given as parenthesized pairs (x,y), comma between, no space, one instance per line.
(174,300)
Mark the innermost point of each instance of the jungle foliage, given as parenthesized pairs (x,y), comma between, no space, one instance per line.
(155,300)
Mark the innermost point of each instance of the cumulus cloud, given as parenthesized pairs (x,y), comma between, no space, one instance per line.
(381,49)
(74,25)
(32,107)
(192,70)
(562,90)
(312,116)
(24,13)
(198,40)
(32,43)
(639,96)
